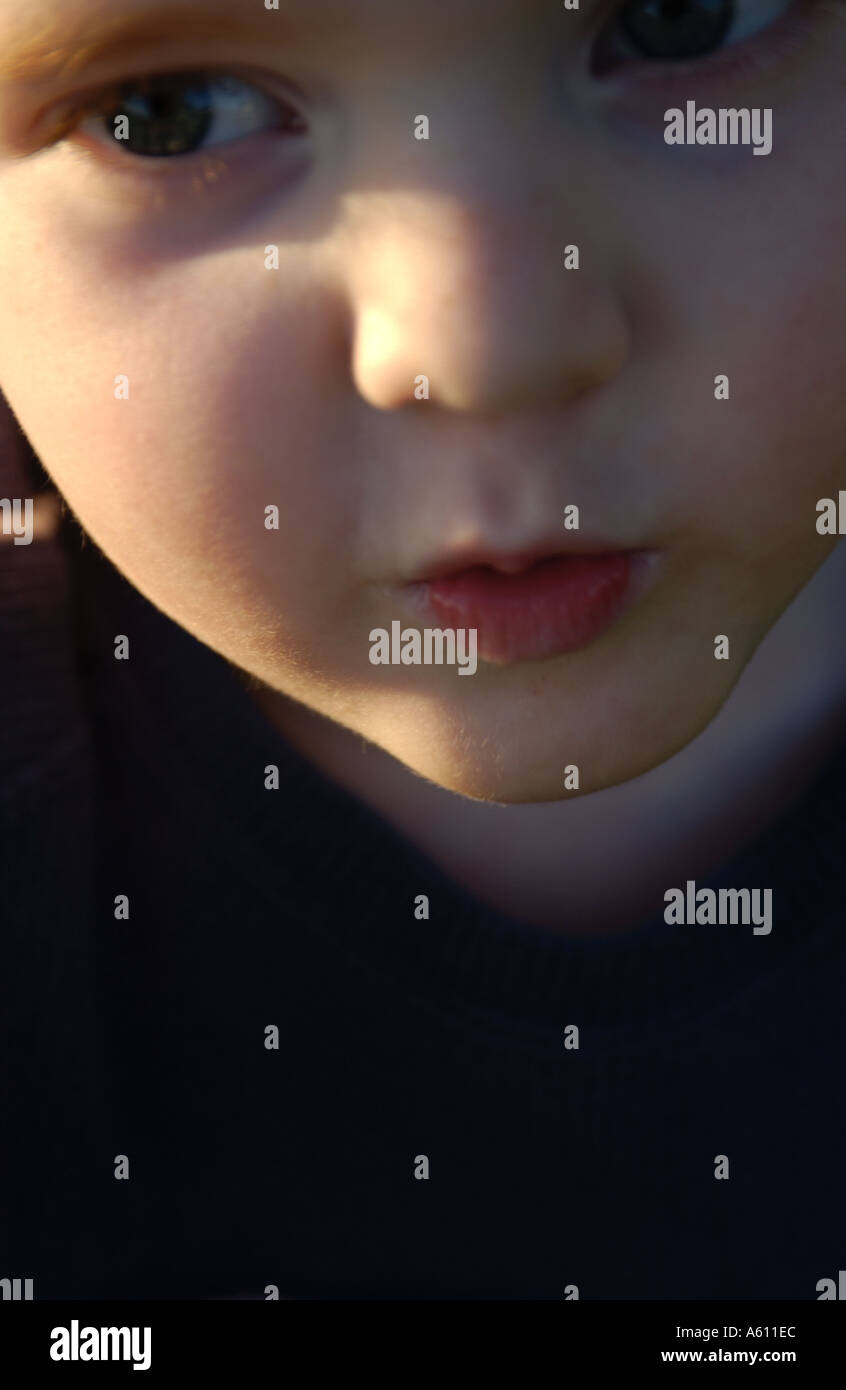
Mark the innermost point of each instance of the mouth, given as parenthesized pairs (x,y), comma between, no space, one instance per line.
(529,607)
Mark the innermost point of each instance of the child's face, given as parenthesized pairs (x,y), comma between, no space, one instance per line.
(252,387)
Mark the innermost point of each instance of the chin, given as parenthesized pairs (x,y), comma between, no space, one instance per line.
(516,763)
(531,773)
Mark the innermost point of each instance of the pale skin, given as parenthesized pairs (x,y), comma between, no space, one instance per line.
(397,257)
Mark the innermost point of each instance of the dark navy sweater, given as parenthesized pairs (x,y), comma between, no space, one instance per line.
(249,909)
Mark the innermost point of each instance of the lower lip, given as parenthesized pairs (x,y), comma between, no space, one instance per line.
(556,606)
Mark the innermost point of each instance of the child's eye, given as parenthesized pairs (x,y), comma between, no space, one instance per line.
(176,114)
(667,31)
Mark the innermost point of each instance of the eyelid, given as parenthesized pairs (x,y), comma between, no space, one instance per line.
(28,131)
(730,39)
(756,54)
(63,118)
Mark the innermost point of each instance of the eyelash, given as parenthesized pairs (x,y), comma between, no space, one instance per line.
(98,103)
(750,57)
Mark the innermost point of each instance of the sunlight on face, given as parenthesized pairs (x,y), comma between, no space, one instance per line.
(288,317)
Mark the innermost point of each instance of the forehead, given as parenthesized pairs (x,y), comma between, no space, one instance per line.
(51,36)
(45,26)
(45,43)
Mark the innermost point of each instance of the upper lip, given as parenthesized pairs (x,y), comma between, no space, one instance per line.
(459,559)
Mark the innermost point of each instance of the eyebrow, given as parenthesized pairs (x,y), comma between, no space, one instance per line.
(58,46)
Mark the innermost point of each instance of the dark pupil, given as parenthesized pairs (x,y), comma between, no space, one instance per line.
(166,115)
(677,28)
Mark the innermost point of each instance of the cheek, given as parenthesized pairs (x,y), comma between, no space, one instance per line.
(737,275)
(222,421)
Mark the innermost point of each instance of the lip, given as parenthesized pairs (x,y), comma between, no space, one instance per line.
(533,606)
(458,560)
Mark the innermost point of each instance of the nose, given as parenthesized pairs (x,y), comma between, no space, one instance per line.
(474,294)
